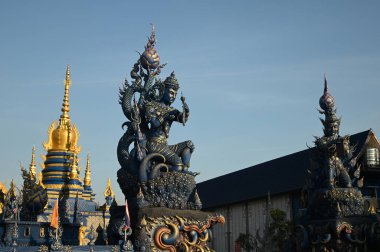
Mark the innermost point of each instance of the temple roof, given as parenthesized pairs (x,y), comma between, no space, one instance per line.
(280,175)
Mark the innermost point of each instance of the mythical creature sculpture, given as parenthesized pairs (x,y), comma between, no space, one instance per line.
(335,219)
(335,166)
(34,196)
(13,204)
(334,176)
(143,151)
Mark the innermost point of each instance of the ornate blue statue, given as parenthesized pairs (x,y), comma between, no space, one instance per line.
(143,151)
(160,116)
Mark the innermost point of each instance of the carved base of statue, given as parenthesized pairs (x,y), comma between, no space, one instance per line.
(164,229)
(336,203)
(359,233)
(176,190)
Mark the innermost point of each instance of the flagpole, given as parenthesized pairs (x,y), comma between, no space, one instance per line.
(56,230)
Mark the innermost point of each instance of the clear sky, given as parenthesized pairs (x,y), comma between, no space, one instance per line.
(251,71)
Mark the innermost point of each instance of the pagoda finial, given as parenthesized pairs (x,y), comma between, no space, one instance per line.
(108,192)
(32,166)
(74,168)
(65,105)
(87,177)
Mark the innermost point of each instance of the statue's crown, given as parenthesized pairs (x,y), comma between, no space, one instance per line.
(171,82)
(327,103)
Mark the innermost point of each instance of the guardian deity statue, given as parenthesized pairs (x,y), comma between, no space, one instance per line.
(333,153)
(143,151)
(160,116)
(335,217)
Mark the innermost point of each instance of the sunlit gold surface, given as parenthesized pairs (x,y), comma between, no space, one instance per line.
(74,171)
(3,188)
(87,177)
(109,192)
(81,235)
(40,180)
(63,136)
(32,166)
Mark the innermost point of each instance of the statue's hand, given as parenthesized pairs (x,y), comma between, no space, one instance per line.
(184,105)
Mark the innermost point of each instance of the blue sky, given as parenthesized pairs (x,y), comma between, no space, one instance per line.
(252,73)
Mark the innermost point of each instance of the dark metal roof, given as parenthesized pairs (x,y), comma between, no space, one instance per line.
(280,175)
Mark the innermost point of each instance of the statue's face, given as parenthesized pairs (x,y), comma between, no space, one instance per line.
(169,95)
(332,129)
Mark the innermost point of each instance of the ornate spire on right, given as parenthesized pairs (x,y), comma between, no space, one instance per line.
(331,122)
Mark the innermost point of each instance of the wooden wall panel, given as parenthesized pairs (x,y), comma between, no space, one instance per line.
(236,219)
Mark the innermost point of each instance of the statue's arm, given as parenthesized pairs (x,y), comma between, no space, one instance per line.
(183,116)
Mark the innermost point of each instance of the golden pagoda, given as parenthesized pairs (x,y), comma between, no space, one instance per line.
(62,150)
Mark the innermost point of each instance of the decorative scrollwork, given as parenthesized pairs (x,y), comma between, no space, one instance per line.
(174,233)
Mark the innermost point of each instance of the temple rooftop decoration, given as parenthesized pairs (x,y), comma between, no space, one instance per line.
(109,194)
(32,166)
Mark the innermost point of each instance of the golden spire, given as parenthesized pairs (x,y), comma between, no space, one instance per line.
(65,105)
(64,136)
(74,169)
(87,176)
(109,192)
(32,166)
